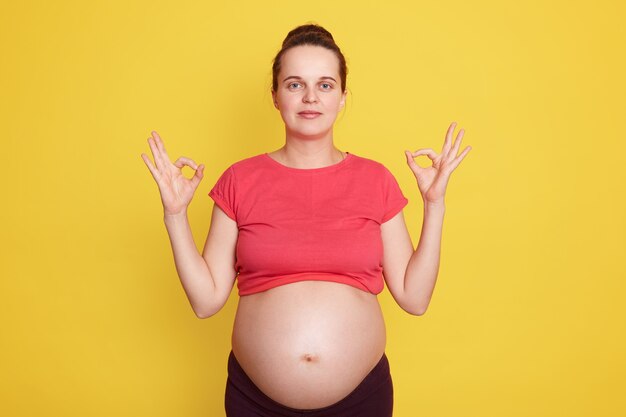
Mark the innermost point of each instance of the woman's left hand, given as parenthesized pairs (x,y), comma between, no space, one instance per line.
(432,181)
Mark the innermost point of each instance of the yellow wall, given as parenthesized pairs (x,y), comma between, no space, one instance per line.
(528,314)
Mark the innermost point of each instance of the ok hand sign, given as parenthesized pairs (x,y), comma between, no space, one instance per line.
(176,190)
(432,181)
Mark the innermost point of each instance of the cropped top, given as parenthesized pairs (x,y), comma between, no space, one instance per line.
(308,224)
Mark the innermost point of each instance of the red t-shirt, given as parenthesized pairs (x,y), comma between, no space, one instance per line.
(308,224)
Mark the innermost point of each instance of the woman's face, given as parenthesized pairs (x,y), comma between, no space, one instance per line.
(309,81)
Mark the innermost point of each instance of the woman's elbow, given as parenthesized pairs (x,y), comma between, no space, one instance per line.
(415,310)
(418,312)
(205,314)
(208,311)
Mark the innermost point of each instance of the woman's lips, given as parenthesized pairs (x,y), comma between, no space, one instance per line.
(309,114)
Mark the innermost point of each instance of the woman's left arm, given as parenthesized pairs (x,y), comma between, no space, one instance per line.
(411,275)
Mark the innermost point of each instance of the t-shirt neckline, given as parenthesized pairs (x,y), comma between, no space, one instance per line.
(332,167)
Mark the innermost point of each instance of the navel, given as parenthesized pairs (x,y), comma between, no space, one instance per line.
(309,357)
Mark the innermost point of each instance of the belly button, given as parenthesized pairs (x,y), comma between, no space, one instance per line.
(307,357)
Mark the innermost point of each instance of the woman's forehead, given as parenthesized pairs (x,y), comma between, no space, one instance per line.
(307,60)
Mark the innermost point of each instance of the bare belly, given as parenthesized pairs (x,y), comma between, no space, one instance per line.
(308,344)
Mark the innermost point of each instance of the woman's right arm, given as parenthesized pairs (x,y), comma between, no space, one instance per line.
(207,279)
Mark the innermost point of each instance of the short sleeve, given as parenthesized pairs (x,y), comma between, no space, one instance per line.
(393,199)
(223,193)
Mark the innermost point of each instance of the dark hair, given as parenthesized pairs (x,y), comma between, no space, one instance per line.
(309,34)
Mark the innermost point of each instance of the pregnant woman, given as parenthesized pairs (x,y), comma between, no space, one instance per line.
(309,233)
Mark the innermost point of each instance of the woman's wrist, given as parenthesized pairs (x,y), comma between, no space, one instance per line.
(175,217)
(434,206)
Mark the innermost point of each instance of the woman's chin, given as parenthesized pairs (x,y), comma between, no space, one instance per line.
(308,133)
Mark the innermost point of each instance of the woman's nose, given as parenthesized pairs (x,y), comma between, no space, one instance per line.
(309,96)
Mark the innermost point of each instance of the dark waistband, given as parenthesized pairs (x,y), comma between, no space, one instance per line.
(377,378)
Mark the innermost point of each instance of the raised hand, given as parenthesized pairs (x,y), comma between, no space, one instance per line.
(432,181)
(176,190)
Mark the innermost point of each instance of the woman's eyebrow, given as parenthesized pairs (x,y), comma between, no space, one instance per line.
(300,78)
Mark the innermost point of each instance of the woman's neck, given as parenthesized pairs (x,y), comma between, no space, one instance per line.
(308,154)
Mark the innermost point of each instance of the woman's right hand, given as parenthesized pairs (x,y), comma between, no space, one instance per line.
(176,190)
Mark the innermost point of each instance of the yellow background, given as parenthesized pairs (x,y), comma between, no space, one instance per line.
(528,315)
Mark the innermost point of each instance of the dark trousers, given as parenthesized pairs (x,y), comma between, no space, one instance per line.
(373,397)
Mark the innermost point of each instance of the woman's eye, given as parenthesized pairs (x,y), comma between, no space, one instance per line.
(329,86)
(293,84)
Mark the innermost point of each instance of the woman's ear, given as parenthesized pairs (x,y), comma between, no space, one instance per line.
(274,99)
(343,99)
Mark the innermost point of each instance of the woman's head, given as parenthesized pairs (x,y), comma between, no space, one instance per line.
(314,35)
(309,76)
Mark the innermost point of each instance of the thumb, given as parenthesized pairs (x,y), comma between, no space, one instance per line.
(195,180)
(411,162)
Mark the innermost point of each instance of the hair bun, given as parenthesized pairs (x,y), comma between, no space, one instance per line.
(307,31)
